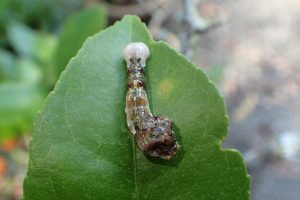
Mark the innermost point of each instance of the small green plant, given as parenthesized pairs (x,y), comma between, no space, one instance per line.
(81,146)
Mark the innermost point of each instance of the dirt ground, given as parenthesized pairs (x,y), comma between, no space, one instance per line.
(257,44)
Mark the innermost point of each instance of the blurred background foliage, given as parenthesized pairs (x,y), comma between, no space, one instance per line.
(38,38)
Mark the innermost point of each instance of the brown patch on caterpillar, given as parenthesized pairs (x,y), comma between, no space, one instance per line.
(134,101)
(136,70)
(157,138)
(153,134)
(165,87)
(136,84)
(136,79)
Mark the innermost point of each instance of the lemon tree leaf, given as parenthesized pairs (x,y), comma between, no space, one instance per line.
(81,146)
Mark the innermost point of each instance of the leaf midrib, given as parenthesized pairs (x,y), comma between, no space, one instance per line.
(134,157)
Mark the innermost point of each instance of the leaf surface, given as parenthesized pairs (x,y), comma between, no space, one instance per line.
(82,148)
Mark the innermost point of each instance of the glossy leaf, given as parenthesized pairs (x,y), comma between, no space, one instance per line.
(82,148)
(76,30)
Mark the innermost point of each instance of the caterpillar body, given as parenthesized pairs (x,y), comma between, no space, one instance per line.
(153,134)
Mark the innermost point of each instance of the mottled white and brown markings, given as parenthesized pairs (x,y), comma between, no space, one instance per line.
(153,134)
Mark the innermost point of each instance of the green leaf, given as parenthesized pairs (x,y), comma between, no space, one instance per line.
(75,31)
(82,148)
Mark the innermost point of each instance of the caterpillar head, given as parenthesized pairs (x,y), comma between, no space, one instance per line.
(136,53)
(157,138)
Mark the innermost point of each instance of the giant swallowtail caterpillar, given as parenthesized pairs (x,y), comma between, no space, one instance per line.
(153,134)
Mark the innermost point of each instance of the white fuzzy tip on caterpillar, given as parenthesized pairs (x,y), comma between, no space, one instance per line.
(135,51)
